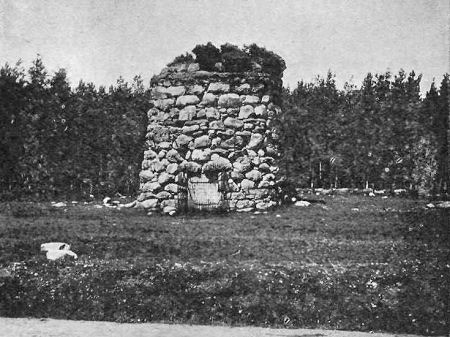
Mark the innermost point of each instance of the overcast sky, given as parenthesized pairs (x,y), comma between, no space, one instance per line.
(99,41)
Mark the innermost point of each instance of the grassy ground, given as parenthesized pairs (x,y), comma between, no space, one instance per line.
(353,263)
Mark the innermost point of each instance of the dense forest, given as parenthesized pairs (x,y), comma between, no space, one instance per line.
(63,141)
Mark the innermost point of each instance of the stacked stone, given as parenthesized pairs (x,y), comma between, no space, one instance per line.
(203,122)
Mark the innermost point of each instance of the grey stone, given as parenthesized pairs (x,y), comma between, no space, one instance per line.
(247,184)
(220,151)
(196,89)
(169,203)
(250,99)
(201,113)
(244,210)
(271,150)
(149,154)
(163,104)
(261,153)
(190,128)
(159,92)
(243,88)
(193,67)
(212,113)
(259,193)
(149,203)
(173,156)
(243,133)
(209,99)
(187,113)
(151,187)
(229,101)
(255,141)
(256,161)
(218,87)
(157,166)
(163,195)
(169,210)
(146,175)
(232,186)
(248,126)
(251,153)
(202,141)
(264,167)
(246,111)
(265,99)
(216,125)
(226,133)
(262,205)
(235,142)
(201,155)
(174,188)
(236,195)
(146,195)
(215,142)
(264,183)
(269,176)
(165,177)
(146,164)
(172,168)
(242,164)
(190,166)
(175,91)
(162,154)
(187,100)
(233,123)
(261,110)
(217,164)
(244,204)
(164,145)
(236,175)
(183,140)
(253,175)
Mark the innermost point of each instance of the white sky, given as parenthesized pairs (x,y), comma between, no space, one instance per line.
(98,41)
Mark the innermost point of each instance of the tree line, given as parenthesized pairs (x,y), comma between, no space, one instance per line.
(58,141)
(382,135)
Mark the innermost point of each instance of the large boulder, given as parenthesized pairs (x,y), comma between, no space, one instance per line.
(202,141)
(218,87)
(233,123)
(187,100)
(189,166)
(188,113)
(229,101)
(217,164)
(173,156)
(183,140)
(255,141)
(200,155)
(246,111)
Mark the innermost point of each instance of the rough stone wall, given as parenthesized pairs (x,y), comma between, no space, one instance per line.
(209,122)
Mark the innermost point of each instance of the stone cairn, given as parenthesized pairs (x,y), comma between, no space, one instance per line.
(204,123)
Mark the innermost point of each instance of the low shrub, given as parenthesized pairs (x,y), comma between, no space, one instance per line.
(234,59)
(207,56)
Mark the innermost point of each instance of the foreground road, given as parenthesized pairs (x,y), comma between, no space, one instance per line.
(25,327)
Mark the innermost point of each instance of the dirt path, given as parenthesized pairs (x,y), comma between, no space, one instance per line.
(25,327)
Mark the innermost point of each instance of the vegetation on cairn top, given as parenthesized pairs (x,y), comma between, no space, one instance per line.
(234,59)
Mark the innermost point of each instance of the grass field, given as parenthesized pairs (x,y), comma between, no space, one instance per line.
(355,263)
